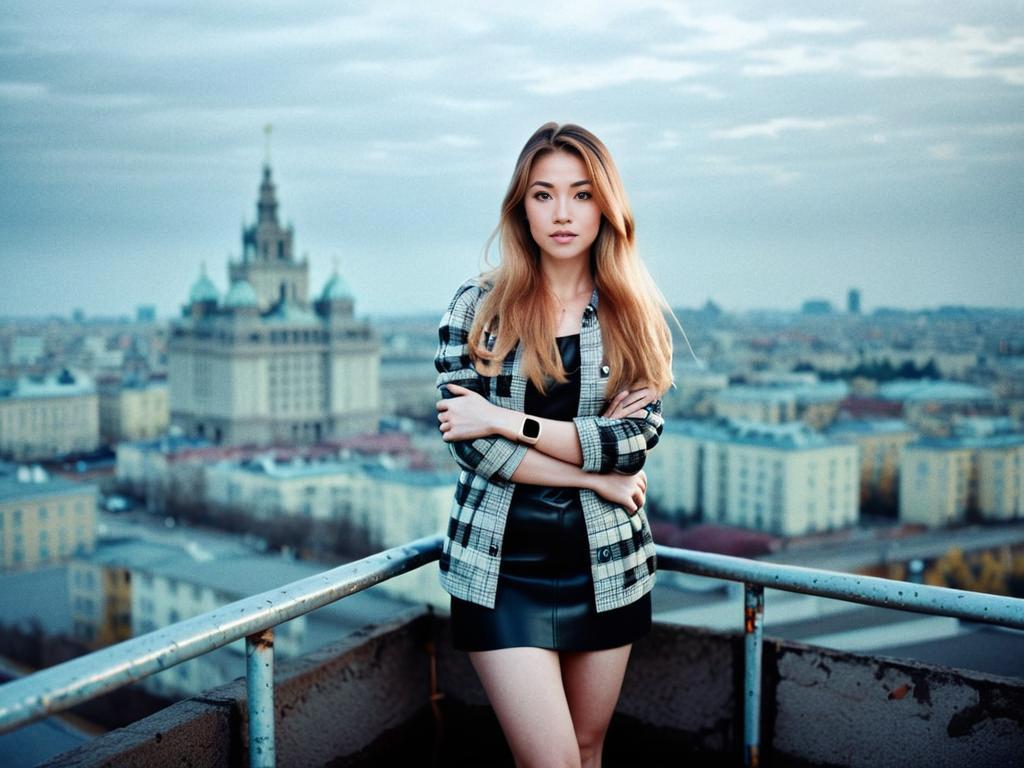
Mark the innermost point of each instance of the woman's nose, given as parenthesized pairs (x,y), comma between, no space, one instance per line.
(562,210)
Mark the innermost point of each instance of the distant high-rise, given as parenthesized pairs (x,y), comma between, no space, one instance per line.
(817,307)
(853,301)
(261,364)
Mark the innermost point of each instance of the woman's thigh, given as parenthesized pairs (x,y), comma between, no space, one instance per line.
(592,682)
(524,686)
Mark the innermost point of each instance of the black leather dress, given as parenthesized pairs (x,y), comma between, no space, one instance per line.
(545,594)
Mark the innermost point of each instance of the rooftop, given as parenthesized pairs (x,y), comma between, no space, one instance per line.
(788,435)
(64,384)
(869,426)
(297,468)
(37,484)
(396,694)
(396,691)
(973,443)
(924,390)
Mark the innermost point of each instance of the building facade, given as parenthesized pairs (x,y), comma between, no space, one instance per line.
(49,417)
(384,505)
(784,479)
(944,481)
(44,519)
(881,443)
(133,410)
(262,364)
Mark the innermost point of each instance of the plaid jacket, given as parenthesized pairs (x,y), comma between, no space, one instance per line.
(622,557)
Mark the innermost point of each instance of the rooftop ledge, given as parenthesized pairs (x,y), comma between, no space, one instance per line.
(398,693)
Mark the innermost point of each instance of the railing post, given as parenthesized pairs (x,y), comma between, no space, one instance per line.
(259,684)
(753,624)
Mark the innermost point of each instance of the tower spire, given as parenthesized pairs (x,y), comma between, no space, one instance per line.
(266,153)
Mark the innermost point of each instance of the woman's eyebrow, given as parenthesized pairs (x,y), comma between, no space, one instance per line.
(579,183)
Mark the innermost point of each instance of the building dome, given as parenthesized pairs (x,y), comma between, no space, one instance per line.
(241,295)
(203,289)
(336,289)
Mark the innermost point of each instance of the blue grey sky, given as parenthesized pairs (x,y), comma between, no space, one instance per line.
(772,152)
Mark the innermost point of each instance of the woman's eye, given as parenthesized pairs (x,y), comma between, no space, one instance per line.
(588,195)
(538,195)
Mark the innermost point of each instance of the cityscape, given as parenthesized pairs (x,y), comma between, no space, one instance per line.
(280,421)
(155,470)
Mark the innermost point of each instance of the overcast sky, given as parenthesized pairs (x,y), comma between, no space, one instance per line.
(772,152)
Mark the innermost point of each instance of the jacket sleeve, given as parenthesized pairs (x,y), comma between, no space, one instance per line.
(493,457)
(619,445)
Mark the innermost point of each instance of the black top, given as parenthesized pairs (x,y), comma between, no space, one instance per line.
(562,403)
(563,400)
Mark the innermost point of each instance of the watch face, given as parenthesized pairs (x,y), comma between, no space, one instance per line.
(531,428)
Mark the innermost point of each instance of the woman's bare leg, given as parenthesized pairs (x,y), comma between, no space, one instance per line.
(524,686)
(593,681)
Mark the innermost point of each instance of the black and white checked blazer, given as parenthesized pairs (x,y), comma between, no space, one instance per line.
(622,556)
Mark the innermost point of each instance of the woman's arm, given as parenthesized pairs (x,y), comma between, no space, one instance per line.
(485,453)
(611,440)
(628,491)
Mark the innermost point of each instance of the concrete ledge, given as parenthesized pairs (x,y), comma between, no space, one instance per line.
(849,709)
(365,700)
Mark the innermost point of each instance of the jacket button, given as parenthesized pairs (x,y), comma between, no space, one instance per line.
(605,554)
(588,309)
(605,370)
(494,549)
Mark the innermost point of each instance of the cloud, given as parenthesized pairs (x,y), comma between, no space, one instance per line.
(822,26)
(725,165)
(792,60)
(23,91)
(723,33)
(405,68)
(473,106)
(964,52)
(709,92)
(772,128)
(944,151)
(669,139)
(622,70)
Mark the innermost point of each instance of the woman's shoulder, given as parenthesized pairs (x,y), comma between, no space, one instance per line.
(471,290)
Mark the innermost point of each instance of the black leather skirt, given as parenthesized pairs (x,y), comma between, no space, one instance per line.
(545,595)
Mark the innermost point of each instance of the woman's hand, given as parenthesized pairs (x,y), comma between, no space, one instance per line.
(628,491)
(629,403)
(467,416)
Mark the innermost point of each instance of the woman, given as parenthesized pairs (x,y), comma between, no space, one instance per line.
(551,368)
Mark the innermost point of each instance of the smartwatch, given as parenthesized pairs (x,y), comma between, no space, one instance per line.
(529,430)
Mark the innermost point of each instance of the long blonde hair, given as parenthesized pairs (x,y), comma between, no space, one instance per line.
(636,339)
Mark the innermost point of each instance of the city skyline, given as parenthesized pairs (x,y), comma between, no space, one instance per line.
(770,156)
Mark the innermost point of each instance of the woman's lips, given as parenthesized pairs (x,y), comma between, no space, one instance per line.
(563,239)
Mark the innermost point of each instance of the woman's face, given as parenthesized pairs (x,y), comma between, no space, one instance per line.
(560,207)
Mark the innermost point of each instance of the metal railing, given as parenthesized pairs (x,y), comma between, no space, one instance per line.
(254,618)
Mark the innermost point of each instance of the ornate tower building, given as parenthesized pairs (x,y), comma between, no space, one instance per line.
(262,364)
(268,261)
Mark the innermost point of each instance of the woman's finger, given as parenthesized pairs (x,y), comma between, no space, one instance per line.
(610,410)
(636,396)
(643,397)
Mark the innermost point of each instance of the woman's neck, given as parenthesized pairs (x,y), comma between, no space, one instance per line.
(567,280)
